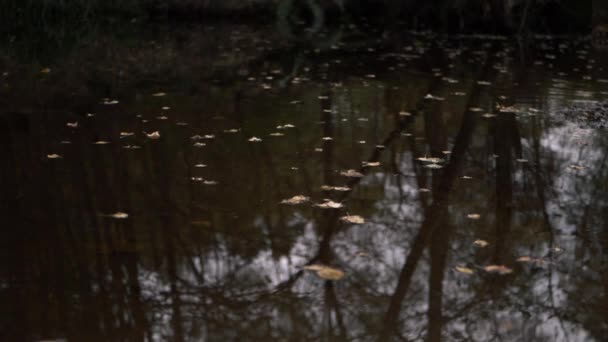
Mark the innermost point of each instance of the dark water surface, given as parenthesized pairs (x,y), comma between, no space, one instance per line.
(206,251)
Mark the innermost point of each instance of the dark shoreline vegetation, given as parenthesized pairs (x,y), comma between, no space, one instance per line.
(472,16)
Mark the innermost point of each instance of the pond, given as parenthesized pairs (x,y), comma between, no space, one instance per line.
(225,183)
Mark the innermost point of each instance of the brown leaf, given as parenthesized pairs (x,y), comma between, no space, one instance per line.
(500,269)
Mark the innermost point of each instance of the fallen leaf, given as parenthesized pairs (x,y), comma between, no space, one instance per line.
(255,139)
(433,166)
(298,199)
(474,216)
(430,160)
(335,188)
(126,134)
(329,204)
(326,272)
(371,164)
(464,270)
(524,259)
(159,94)
(53,156)
(153,135)
(351,173)
(355,219)
(500,269)
(480,243)
(72,124)
(101,142)
(45,70)
(119,215)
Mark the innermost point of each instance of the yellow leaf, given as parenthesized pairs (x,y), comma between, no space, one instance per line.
(325,272)
(356,219)
(464,270)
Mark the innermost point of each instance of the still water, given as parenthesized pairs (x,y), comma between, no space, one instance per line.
(148,185)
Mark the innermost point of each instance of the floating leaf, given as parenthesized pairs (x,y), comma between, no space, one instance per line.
(72,124)
(53,156)
(255,139)
(480,243)
(159,94)
(200,165)
(351,173)
(326,272)
(355,219)
(433,166)
(126,134)
(430,160)
(500,269)
(119,215)
(109,102)
(464,270)
(232,130)
(474,216)
(101,142)
(276,134)
(298,199)
(329,204)
(335,188)
(45,70)
(371,164)
(524,259)
(153,135)
(432,97)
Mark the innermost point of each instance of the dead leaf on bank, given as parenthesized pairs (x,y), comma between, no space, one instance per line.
(325,272)
(298,199)
(351,173)
(355,219)
(500,269)
(464,270)
(329,204)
